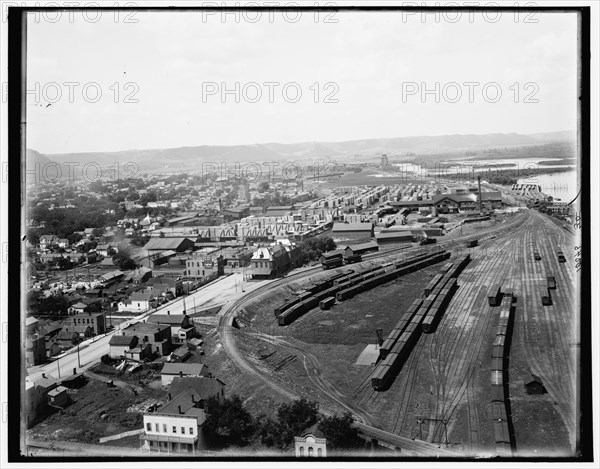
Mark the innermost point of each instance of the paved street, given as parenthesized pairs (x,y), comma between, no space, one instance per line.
(220,292)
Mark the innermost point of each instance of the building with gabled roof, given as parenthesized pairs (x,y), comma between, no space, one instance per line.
(156,245)
(173,370)
(177,426)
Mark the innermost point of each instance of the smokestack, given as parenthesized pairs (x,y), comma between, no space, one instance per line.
(479,185)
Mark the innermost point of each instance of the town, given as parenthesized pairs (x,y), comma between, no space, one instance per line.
(147,296)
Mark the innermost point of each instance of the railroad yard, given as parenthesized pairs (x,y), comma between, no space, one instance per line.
(461,384)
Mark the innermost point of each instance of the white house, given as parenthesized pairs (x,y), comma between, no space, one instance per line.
(177,426)
(137,303)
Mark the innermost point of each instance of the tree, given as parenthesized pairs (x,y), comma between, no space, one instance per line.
(263,187)
(339,431)
(312,248)
(270,432)
(296,417)
(228,421)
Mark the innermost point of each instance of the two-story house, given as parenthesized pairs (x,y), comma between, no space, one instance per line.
(182,326)
(177,426)
(157,335)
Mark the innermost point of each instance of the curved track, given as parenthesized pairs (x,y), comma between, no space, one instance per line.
(311,363)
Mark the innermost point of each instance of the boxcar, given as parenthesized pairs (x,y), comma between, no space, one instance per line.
(503,449)
(499,340)
(497,364)
(353,259)
(496,378)
(561,257)
(547,300)
(472,243)
(501,434)
(498,393)
(551,282)
(499,411)
(495,295)
(332,263)
(536,256)
(498,352)
(327,302)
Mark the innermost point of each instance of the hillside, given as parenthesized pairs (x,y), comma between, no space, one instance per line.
(192,158)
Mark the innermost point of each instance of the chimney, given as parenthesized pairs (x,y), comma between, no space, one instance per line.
(43,375)
(169,396)
(179,409)
(74,371)
(180,374)
(168,313)
(193,399)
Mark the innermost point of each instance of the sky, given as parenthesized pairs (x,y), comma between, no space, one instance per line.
(174,79)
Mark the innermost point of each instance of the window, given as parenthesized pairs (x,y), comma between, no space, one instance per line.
(310,451)
(183,430)
(157,427)
(319,452)
(165,427)
(301,451)
(149,427)
(191,430)
(174,429)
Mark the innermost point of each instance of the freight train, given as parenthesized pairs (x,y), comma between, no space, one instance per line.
(500,417)
(421,316)
(349,284)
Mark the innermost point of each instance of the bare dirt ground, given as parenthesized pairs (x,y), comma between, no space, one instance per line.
(443,390)
(96,411)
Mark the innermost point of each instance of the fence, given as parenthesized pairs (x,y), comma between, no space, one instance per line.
(121,435)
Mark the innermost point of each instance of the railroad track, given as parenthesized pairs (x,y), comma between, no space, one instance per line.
(225,325)
(454,357)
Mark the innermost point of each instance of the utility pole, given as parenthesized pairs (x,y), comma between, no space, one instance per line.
(479,185)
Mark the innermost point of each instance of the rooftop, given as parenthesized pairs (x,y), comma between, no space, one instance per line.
(158,318)
(185,368)
(164,244)
(204,387)
(340,227)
